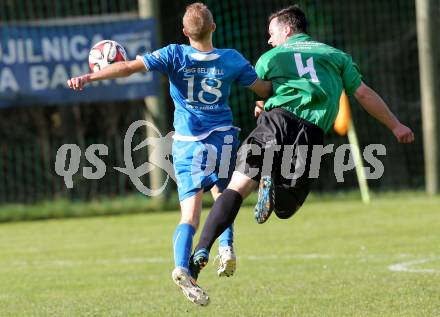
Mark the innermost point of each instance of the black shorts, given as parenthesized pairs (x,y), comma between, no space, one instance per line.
(281,146)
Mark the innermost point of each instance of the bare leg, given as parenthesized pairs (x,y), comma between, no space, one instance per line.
(191,209)
(242,184)
(215,192)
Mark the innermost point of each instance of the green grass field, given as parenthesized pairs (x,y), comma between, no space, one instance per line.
(331,259)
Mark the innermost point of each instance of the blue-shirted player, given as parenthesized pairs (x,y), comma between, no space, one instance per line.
(200,79)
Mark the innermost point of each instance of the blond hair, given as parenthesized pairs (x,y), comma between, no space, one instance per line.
(198,21)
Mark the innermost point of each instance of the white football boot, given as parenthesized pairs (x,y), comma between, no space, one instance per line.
(189,287)
(227,261)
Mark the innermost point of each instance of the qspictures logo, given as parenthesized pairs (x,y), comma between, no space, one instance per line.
(208,158)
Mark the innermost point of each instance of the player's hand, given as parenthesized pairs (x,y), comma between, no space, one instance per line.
(78,83)
(403,134)
(257,111)
(258,108)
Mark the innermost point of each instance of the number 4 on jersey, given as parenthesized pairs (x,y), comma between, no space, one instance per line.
(310,68)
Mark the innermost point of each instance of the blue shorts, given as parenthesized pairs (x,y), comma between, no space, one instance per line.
(205,163)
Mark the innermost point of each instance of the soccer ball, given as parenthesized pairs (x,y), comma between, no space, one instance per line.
(105,53)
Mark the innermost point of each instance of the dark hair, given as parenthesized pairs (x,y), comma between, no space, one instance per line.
(292,16)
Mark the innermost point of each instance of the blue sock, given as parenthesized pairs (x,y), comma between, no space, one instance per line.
(182,244)
(227,237)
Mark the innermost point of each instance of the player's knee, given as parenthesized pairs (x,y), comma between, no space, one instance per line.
(191,220)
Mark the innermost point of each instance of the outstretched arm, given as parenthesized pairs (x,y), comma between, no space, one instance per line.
(377,108)
(116,70)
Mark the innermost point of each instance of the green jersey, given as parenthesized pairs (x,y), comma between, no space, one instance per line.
(308,78)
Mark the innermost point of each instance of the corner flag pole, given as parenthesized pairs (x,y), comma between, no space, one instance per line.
(344,125)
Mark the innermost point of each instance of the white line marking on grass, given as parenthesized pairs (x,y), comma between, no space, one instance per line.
(63,263)
(285,257)
(145,260)
(406,266)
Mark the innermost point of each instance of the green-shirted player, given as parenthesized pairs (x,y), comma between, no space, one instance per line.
(308,78)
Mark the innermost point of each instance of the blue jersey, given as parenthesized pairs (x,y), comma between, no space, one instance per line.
(200,84)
